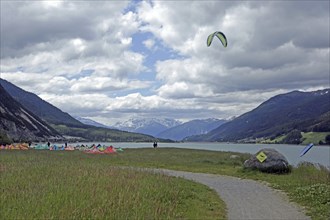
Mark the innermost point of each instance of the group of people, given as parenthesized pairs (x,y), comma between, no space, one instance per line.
(155,145)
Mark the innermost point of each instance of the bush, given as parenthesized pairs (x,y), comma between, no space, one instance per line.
(327,139)
(4,139)
(294,137)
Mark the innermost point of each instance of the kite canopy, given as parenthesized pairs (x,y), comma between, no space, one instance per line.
(41,147)
(221,37)
(306,149)
(119,149)
(110,150)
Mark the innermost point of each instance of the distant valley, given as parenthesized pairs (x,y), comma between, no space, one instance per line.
(194,127)
(284,118)
(150,126)
(163,128)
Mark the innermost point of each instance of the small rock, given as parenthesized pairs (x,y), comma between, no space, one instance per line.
(234,156)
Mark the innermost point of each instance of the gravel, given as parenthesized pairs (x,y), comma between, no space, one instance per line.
(245,199)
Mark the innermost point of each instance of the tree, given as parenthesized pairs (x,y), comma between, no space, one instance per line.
(294,137)
(4,139)
(327,139)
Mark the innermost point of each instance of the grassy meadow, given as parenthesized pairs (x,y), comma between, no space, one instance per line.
(307,138)
(314,137)
(42,184)
(58,184)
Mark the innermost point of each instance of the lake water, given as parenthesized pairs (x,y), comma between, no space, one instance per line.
(317,154)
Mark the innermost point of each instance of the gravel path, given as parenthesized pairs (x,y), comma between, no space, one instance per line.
(245,199)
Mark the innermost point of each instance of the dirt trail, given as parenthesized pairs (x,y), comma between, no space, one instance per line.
(245,199)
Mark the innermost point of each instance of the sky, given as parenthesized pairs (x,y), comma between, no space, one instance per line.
(114,60)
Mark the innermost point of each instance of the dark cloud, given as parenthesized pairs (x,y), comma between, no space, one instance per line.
(306,24)
(25,24)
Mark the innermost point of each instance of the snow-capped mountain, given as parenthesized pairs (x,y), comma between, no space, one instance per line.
(88,121)
(194,127)
(150,126)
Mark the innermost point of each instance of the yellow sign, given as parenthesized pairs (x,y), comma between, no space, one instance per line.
(261,156)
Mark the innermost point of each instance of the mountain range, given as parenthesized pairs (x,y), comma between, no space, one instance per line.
(150,126)
(26,116)
(278,116)
(61,122)
(39,107)
(194,127)
(91,122)
(162,128)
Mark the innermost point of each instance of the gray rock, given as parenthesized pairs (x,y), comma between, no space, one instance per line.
(274,163)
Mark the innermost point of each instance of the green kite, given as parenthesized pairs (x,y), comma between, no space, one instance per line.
(221,37)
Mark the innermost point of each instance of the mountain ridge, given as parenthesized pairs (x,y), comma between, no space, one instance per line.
(40,107)
(149,126)
(91,122)
(19,124)
(193,127)
(64,123)
(277,116)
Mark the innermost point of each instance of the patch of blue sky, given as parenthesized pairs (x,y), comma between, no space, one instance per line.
(156,52)
(132,6)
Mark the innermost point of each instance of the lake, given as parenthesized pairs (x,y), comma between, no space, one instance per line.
(317,154)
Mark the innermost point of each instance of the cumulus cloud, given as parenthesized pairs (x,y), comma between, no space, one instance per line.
(88,54)
(267,49)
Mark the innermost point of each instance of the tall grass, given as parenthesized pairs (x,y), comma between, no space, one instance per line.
(306,184)
(73,185)
(181,159)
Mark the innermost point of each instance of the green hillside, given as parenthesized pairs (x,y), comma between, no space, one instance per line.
(19,124)
(64,123)
(39,107)
(318,138)
(315,137)
(277,117)
(90,133)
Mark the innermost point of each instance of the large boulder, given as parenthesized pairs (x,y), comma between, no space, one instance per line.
(268,160)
